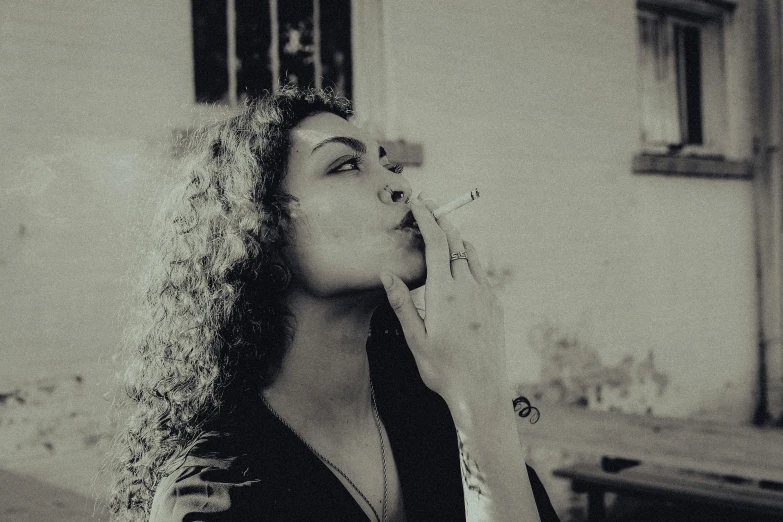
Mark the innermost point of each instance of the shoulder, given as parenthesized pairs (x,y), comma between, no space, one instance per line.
(265,476)
(207,480)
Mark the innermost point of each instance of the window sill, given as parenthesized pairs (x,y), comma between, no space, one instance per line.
(692,166)
(404,153)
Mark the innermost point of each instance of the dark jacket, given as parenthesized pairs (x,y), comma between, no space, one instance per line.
(263,472)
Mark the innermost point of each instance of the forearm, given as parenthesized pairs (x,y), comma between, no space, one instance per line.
(459,348)
(494,476)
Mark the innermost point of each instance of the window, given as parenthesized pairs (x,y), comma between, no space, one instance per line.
(682,89)
(670,77)
(244,47)
(681,77)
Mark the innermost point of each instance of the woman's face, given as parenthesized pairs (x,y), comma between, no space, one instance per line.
(348,209)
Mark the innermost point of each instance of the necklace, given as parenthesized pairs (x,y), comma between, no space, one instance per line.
(332,464)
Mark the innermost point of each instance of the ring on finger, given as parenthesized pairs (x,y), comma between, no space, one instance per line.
(459,255)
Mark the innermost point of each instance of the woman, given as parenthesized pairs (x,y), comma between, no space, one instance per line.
(256,392)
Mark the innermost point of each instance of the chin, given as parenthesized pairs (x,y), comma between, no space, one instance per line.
(415,278)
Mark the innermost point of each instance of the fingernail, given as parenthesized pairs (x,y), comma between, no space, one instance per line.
(387,280)
(431,205)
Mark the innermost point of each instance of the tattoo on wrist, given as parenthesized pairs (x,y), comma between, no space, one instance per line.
(471,474)
(524,409)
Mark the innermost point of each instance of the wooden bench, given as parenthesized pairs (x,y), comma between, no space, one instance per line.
(734,493)
(693,462)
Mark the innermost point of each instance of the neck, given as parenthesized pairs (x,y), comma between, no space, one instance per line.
(325,377)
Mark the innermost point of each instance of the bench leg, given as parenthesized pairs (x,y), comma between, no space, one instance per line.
(596,512)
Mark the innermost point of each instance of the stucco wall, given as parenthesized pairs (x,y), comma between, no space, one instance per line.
(89,94)
(536,103)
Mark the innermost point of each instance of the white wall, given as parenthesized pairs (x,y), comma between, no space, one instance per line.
(89,94)
(536,103)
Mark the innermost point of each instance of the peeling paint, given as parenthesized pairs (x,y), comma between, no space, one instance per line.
(572,372)
(49,416)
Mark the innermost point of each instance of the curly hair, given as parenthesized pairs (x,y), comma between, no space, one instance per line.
(212,327)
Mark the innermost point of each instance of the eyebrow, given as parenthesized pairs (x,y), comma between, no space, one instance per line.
(352,143)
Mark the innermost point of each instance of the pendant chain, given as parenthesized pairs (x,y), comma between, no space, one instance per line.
(332,464)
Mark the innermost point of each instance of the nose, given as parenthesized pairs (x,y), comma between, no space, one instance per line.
(391,194)
(397,192)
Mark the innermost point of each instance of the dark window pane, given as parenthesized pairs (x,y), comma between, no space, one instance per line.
(253,38)
(336,45)
(692,55)
(296,42)
(210,50)
(252,28)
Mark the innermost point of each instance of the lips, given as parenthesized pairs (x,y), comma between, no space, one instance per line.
(409,226)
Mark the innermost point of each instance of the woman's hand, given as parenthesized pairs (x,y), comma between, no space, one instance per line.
(460,345)
(460,352)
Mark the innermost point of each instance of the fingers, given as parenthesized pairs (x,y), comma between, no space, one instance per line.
(459,267)
(436,246)
(401,302)
(475,264)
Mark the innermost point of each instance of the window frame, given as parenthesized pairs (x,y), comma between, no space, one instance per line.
(369,80)
(698,8)
(712,84)
(706,159)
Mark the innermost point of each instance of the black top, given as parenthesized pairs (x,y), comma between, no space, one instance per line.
(265,473)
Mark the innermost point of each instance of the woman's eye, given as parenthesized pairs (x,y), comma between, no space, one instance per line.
(351,164)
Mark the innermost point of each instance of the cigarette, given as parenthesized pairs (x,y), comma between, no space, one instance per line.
(454,204)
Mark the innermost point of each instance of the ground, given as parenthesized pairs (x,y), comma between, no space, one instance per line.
(54,435)
(26,499)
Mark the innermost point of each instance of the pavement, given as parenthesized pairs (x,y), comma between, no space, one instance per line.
(54,439)
(26,499)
